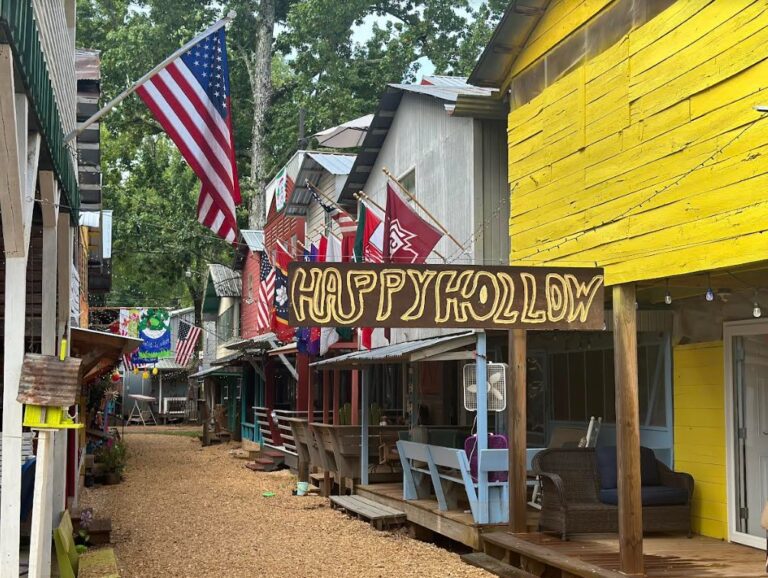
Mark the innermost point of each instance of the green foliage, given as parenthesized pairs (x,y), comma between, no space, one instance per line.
(317,66)
(113,457)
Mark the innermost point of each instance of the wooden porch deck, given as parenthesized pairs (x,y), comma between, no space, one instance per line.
(598,556)
(454,524)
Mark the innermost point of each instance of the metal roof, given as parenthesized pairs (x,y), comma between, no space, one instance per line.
(508,40)
(254,239)
(228,359)
(168,365)
(226,282)
(214,370)
(334,163)
(260,341)
(287,349)
(445,89)
(400,352)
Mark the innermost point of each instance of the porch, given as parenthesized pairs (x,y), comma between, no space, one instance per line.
(597,555)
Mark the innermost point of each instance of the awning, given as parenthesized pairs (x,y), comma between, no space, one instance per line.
(99,350)
(263,341)
(215,371)
(289,349)
(231,359)
(168,365)
(409,351)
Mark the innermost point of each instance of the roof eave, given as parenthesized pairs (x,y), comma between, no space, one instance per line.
(507,42)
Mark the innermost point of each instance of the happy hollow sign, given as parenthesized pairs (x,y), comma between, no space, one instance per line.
(398,295)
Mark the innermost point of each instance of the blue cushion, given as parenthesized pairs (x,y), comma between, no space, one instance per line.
(606,466)
(650,495)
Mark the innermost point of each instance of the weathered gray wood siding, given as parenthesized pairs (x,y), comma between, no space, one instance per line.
(460,168)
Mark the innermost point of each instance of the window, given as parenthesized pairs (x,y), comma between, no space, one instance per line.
(408,180)
(582,383)
(225,325)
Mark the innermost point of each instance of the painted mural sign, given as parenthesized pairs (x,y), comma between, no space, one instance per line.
(471,296)
(153,326)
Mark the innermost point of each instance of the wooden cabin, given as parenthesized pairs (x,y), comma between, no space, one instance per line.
(634,138)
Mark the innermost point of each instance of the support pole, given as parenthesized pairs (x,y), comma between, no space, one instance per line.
(326,417)
(627,430)
(482,425)
(355,394)
(516,423)
(10,505)
(364,427)
(40,533)
(336,395)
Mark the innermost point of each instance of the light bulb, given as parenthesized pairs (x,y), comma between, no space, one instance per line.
(154,371)
(710,296)
(145,375)
(668,298)
(756,311)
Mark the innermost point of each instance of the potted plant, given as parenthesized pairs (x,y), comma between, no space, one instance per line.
(113,458)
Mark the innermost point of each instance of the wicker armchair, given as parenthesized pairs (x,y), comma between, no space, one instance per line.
(571,501)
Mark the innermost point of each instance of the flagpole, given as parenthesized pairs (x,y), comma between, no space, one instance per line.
(130,90)
(361,196)
(423,208)
(326,197)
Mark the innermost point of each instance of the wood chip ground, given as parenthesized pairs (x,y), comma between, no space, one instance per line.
(183,510)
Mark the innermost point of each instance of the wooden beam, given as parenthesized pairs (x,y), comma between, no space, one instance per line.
(355,398)
(516,420)
(11,190)
(453,356)
(64,273)
(50,264)
(336,395)
(627,429)
(10,506)
(40,534)
(49,197)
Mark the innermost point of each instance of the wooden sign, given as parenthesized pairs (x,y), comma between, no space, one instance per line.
(398,295)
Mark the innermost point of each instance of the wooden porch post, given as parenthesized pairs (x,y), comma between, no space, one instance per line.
(516,424)
(18,174)
(64,236)
(336,395)
(326,416)
(364,426)
(355,403)
(44,511)
(627,429)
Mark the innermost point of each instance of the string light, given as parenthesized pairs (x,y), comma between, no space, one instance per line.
(756,311)
(668,295)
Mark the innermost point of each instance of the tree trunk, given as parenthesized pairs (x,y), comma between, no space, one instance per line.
(260,76)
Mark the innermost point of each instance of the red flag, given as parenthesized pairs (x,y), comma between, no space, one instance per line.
(407,237)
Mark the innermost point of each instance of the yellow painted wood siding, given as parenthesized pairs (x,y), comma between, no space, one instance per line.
(638,160)
(699,401)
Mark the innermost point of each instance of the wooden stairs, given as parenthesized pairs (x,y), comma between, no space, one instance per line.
(380,516)
(267,461)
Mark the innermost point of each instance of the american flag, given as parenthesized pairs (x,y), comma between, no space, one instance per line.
(190,100)
(348,228)
(266,292)
(128,361)
(185,344)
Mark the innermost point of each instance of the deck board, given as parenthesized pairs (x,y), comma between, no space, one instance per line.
(664,556)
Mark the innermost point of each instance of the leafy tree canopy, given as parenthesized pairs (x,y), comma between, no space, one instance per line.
(316,65)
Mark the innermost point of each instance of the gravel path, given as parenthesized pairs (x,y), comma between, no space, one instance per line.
(183,510)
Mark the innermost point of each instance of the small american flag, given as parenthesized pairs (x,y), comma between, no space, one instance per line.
(185,345)
(266,293)
(128,361)
(190,100)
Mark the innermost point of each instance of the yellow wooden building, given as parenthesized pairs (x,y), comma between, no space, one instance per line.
(636,143)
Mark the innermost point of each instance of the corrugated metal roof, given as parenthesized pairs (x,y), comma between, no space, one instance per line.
(392,353)
(254,239)
(228,359)
(226,282)
(447,88)
(168,365)
(45,380)
(254,342)
(336,164)
(214,370)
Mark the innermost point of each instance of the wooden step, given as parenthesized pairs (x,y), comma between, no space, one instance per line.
(255,467)
(494,566)
(381,517)
(265,461)
(274,454)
